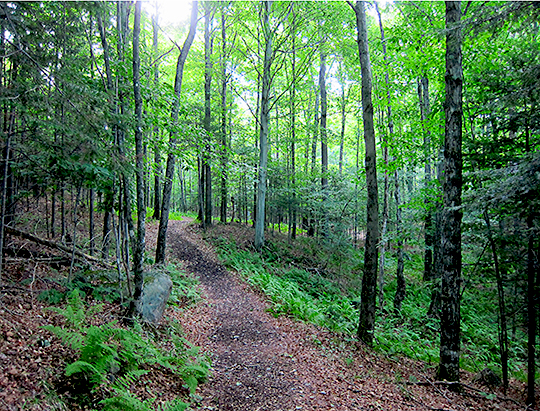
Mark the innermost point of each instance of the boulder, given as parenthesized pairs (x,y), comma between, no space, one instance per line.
(156,290)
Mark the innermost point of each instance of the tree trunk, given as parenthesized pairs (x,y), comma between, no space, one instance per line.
(315,131)
(207,116)
(369,280)
(386,193)
(155,132)
(451,234)
(434,310)
(532,306)
(343,120)
(123,30)
(223,142)
(292,218)
(263,139)
(109,194)
(400,278)
(5,173)
(324,143)
(503,332)
(138,255)
(169,173)
(423,97)
(91,221)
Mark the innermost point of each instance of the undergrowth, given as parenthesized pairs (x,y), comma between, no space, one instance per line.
(326,301)
(110,359)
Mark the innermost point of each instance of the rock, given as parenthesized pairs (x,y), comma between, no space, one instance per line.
(156,290)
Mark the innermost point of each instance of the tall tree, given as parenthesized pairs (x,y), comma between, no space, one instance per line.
(324,137)
(423,97)
(157,153)
(138,254)
(223,131)
(207,170)
(264,120)
(366,324)
(169,172)
(453,165)
(386,191)
(292,212)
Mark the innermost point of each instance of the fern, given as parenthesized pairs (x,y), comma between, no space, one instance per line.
(128,402)
(125,382)
(112,354)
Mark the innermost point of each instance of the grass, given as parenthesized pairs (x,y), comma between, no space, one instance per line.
(326,298)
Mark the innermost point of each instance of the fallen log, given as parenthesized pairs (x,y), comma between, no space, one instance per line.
(57,246)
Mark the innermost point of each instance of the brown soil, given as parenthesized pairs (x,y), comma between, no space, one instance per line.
(266,363)
(259,362)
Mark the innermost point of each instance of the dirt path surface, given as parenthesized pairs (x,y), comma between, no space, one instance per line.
(264,363)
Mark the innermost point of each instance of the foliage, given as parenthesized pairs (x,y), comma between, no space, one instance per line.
(308,296)
(186,288)
(112,358)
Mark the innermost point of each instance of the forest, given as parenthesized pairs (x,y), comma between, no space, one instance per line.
(372,168)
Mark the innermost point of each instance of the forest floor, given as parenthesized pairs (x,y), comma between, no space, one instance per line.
(259,362)
(265,363)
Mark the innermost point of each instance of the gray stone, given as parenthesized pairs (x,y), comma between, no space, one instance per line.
(156,290)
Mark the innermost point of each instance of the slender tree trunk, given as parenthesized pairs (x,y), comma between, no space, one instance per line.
(315,131)
(369,280)
(109,194)
(423,97)
(91,221)
(385,159)
(207,115)
(400,277)
(123,30)
(53,212)
(63,212)
(138,255)
(169,173)
(265,114)
(343,121)
(451,234)
(7,150)
(324,142)
(200,187)
(532,307)
(155,132)
(223,142)
(434,310)
(503,330)
(108,200)
(292,219)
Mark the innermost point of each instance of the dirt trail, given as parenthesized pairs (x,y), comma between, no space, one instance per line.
(264,363)
(249,351)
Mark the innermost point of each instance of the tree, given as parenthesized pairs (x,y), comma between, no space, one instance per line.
(138,255)
(169,173)
(369,280)
(206,168)
(453,165)
(268,36)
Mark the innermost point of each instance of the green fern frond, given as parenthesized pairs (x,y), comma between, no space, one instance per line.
(125,401)
(175,405)
(94,374)
(124,382)
(68,337)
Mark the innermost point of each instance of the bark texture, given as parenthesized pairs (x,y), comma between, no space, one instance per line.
(138,255)
(369,280)
(451,233)
(263,139)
